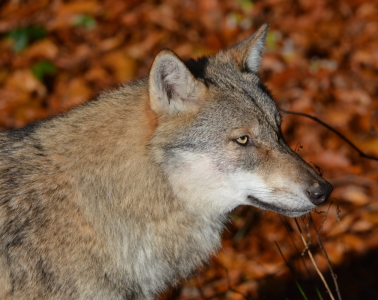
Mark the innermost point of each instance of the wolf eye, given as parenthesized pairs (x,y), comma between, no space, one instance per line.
(243,140)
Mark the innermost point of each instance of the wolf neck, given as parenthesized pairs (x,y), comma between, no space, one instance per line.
(102,146)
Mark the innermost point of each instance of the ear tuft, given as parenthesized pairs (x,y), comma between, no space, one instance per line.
(173,88)
(248,53)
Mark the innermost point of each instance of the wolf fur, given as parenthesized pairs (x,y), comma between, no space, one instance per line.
(124,195)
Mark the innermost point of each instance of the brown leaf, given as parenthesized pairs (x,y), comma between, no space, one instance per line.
(123,66)
(45,48)
(24,80)
(75,93)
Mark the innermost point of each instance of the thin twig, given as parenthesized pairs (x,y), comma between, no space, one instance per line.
(334,276)
(284,259)
(313,260)
(287,225)
(291,271)
(362,154)
(325,217)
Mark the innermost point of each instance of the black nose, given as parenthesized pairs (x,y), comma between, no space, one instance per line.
(320,193)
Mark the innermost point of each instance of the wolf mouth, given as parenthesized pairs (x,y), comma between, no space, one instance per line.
(287,212)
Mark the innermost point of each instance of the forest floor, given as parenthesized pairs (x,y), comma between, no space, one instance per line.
(321,59)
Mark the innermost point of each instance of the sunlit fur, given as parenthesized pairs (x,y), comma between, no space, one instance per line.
(125,195)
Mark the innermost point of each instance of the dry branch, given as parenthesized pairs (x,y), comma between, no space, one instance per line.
(313,260)
(361,153)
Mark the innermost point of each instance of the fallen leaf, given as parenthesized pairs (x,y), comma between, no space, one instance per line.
(45,48)
(24,80)
(123,66)
(75,93)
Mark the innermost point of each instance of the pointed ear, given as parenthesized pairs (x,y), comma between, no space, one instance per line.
(173,88)
(248,52)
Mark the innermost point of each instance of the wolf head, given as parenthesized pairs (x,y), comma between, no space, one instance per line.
(218,138)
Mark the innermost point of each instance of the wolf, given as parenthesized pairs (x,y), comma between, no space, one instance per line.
(128,194)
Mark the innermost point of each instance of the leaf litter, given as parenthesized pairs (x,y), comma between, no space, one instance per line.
(321,59)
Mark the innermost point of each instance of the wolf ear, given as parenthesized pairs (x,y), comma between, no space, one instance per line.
(248,52)
(173,88)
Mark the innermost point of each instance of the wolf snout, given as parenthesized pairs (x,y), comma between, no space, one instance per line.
(319,193)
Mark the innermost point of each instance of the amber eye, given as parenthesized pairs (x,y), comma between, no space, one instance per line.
(242,140)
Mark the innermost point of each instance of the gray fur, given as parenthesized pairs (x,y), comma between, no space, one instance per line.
(125,195)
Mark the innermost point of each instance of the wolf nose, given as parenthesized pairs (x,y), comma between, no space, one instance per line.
(319,194)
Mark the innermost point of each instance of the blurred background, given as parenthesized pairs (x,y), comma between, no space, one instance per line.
(321,59)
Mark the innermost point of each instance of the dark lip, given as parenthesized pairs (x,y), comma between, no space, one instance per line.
(289,213)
